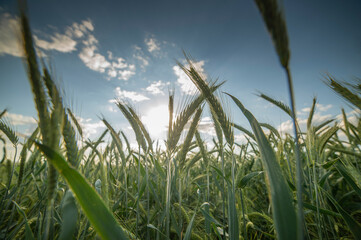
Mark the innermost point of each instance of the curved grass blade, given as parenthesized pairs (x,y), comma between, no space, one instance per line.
(348,177)
(151,226)
(96,211)
(207,215)
(244,130)
(244,181)
(28,233)
(188,234)
(233,223)
(321,210)
(70,216)
(354,226)
(284,215)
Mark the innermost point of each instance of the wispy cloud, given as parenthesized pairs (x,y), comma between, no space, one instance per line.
(90,127)
(157,88)
(77,36)
(77,30)
(9,35)
(206,126)
(90,41)
(140,57)
(58,42)
(186,85)
(319,108)
(67,41)
(318,118)
(19,119)
(287,126)
(10,42)
(152,44)
(114,67)
(94,61)
(131,95)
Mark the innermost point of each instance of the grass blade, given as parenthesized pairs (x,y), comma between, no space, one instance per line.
(284,215)
(70,216)
(28,233)
(98,214)
(348,177)
(354,226)
(244,181)
(188,234)
(232,216)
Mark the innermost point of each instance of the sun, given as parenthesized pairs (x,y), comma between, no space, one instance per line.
(156,121)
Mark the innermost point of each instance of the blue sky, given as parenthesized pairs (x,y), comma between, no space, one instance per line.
(128,50)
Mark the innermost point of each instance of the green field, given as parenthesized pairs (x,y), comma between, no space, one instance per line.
(60,185)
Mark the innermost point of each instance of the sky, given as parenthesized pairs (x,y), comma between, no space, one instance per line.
(100,51)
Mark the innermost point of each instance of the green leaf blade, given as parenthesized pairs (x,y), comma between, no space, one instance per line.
(284,215)
(95,209)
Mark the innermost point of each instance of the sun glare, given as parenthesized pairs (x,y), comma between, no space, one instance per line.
(156,120)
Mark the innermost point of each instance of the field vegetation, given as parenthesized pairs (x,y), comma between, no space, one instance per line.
(304,185)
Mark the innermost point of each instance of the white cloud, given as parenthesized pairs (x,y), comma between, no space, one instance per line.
(125,74)
(89,127)
(120,64)
(111,108)
(62,42)
(287,126)
(114,67)
(156,88)
(78,30)
(304,110)
(133,96)
(74,31)
(152,44)
(183,80)
(66,42)
(206,126)
(351,116)
(77,35)
(90,41)
(92,60)
(318,118)
(19,119)
(112,73)
(319,107)
(139,55)
(10,36)
(241,138)
(58,42)
(323,108)
(88,24)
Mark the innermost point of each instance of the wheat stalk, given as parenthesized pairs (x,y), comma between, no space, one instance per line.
(213,102)
(187,142)
(138,133)
(70,141)
(142,127)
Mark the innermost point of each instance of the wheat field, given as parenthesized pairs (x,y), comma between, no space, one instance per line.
(60,185)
